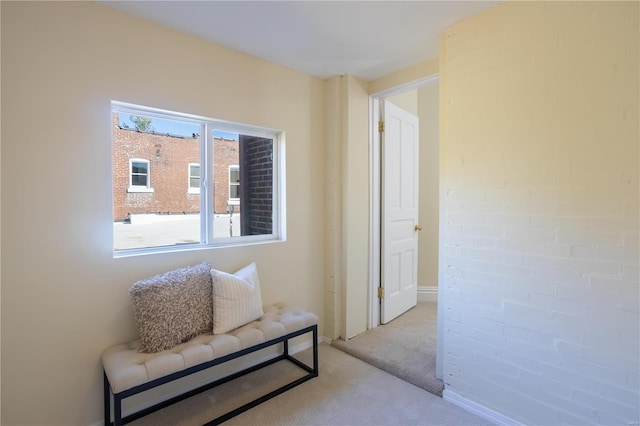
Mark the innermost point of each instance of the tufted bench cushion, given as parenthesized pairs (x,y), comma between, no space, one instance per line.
(126,367)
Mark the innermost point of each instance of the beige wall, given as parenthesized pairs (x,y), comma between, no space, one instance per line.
(64,296)
(355,198)
(407,75)
(541,128)
(346,211)
(408,101)
(334,286)
(429,203)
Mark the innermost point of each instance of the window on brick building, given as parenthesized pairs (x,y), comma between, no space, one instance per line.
(234,183)
(139,180)
(234,193)
(194,178)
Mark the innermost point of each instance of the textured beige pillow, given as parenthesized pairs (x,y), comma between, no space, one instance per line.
(173,307)
(236,298)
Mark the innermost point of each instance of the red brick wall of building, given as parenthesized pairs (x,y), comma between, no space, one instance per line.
(169,157)
(225,154)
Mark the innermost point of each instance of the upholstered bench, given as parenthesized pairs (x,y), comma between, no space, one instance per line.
(128,372)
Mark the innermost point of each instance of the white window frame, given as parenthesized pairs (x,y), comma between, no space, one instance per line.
(233,201)
(193,189)
(139,188)
(207,240)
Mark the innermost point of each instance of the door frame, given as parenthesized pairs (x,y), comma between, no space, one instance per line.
(374,200)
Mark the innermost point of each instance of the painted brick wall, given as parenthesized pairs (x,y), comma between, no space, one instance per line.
(540,240)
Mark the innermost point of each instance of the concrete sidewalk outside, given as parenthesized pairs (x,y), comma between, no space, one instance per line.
(168,230)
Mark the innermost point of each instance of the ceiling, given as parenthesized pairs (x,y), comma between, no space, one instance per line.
(367,39)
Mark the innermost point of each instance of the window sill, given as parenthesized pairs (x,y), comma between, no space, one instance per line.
(221,243)
(193,191)
(139,189)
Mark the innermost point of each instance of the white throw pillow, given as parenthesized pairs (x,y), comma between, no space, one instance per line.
(236,298)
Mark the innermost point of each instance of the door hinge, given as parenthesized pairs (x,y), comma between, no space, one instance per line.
(381,126)
(380,293)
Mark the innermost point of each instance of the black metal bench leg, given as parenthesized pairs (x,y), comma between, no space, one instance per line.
(286,347)
(107,400)
(315,350)
(117,411)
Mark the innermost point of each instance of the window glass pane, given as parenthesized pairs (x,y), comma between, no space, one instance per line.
(138,167)
(194,176)
(139,180)
(244,195)
(234,191)
(234,183)
(162,213)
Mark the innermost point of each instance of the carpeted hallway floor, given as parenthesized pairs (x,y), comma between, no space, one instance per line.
(405,347)
(348,391)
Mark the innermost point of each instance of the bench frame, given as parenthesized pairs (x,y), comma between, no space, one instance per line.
(117,398)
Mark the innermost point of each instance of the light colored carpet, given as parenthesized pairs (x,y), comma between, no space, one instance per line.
(347,392)
(405,347)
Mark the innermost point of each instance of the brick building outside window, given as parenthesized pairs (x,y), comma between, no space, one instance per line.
(160,173)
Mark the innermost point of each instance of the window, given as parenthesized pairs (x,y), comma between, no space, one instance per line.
(139,176)
(234,193)
(234,183)
(194,178)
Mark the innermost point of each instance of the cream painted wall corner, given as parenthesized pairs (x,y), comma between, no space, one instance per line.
(334,287)
(355,198)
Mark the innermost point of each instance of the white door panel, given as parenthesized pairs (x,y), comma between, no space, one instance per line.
(400,146)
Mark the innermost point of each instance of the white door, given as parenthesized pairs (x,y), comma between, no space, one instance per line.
(399,140)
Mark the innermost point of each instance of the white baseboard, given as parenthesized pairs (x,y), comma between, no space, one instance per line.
(478,409)
(294,349)
(428,293)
